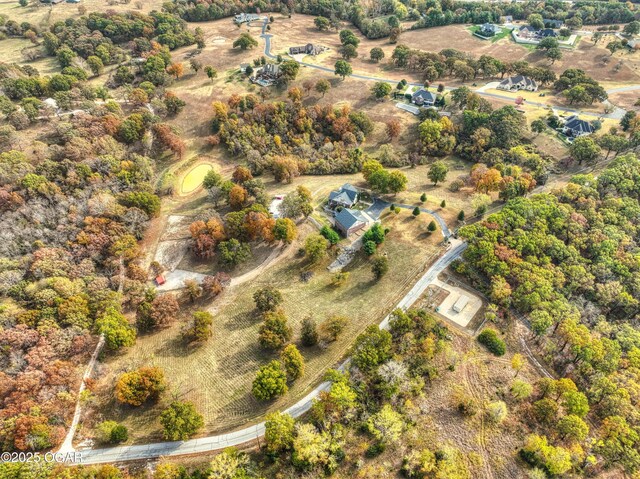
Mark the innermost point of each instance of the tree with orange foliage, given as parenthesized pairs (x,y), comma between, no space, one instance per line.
(138,97)
(295,94)
(137,387)
(164,310)
(341,126)
(485,179)
(241,174)
(206,236)
(176,69)
(259,226)
(393,129)
(238,197)
(234,101)
(168,139)
(285,169)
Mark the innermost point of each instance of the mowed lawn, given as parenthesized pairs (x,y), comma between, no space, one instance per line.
(217,377)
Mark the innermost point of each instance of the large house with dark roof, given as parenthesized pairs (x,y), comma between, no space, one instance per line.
(346,197)
(348,221)
(423,98)
(575,127)
(517,83)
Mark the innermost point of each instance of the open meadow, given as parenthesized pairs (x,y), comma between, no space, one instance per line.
(218,375)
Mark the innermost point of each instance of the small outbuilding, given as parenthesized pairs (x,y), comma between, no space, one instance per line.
(460,304)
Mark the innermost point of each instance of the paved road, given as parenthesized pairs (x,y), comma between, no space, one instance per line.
(616,114)
(214,443)
(443,225)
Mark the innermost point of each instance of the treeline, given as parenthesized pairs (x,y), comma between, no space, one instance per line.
(201,11)
(568,261)
(470,13)
(458,64)
(575,15)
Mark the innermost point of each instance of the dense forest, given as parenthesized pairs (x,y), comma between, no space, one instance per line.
(381,18)
(568,261)
(74,202)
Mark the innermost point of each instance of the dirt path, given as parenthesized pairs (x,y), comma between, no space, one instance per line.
(67,444)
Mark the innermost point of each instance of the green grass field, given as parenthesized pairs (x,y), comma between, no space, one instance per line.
(503,34)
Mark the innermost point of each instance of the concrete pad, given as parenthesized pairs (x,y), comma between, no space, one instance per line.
(464,317)
(175,279)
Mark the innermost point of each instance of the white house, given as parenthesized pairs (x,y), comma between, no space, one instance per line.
(245,18)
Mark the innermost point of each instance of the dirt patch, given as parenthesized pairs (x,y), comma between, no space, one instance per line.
(170,253)
(626,100)
(177,227)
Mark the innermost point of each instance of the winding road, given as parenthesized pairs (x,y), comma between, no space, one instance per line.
(251,433)
(616,114)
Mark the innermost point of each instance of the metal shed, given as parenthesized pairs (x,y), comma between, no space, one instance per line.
(459,305)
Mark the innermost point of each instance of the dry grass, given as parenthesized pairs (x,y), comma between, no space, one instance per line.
(43,15)
(218,376)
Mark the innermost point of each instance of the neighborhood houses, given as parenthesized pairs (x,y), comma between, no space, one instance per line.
(517,83)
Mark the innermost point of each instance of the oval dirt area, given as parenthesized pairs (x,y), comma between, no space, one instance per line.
(193,180)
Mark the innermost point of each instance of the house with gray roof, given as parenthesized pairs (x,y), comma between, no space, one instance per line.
(527,31)
(518,82)
(346,197)
(489,30)
(575,127)
(423,98)
(348,221)
(308,49)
